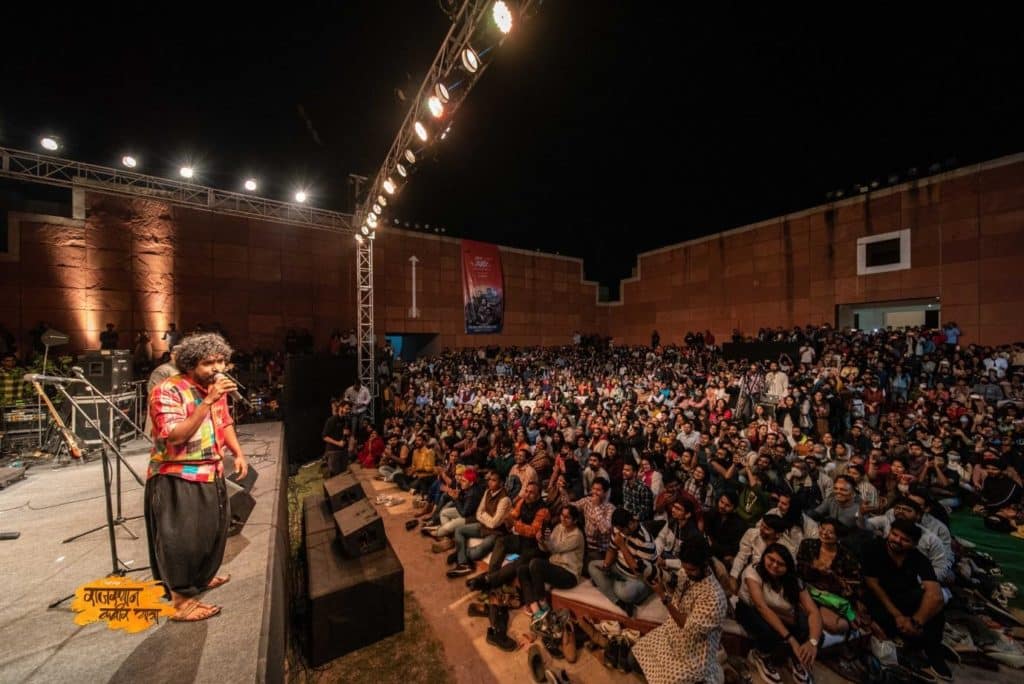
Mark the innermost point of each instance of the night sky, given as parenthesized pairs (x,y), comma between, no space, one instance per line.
(601,129)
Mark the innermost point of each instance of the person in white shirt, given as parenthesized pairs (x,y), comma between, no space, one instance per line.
(359,397)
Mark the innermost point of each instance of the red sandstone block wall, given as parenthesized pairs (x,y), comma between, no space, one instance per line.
(967,248)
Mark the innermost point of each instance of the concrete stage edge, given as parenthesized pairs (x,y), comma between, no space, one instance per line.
(245,643)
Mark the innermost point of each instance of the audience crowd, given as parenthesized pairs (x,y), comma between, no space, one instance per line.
(807,495)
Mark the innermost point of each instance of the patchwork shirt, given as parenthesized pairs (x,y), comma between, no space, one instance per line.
(200,459)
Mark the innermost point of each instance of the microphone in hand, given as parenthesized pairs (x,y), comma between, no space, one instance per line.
(233,393)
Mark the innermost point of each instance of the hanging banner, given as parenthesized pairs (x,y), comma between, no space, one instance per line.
(483,295)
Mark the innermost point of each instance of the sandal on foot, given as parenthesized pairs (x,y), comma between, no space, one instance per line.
(218,581)
(194,611)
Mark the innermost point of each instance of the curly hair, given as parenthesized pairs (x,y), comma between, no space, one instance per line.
(194,348)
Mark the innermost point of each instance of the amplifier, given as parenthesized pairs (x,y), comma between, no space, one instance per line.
(110,370)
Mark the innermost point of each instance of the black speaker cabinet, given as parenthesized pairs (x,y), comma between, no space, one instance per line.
(240,504)
(110,370)
(354,602)
(318,521)
(360,529)
(343,490)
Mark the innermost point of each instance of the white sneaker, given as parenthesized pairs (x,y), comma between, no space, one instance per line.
(800,673)
(760,662)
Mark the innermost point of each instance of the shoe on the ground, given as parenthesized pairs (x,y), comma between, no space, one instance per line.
(460,571)
(502,641)
(478,583)
(535,659)
(410,525)
(759,661)
(799,672)
(452,558)
(446,544)
(428,530)
(938,668)
(611,655)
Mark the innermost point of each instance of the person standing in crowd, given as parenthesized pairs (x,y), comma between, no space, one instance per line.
(359,399)
(171,336)
(12,381)
(186,507)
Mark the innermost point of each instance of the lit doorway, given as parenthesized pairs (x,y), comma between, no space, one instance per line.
(892,314)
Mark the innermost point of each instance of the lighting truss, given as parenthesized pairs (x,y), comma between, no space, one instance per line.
(47,170)
(466,24)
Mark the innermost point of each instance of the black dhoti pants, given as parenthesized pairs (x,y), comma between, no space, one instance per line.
(187,525)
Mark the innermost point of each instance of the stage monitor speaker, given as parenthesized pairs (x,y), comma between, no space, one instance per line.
(354,602)
(240,501)
(318,523)
(343,490)
(110,370)
(360,529)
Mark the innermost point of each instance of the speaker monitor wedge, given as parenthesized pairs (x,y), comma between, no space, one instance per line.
(360,529)
(343,490)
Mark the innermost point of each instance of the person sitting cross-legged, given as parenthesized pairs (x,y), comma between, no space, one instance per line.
(904,596)
(466,497)
(622,575)
(561,569)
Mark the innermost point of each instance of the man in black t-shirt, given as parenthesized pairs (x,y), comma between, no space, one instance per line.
(904,597)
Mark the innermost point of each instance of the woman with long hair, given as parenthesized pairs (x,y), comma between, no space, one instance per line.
(834,573)
(778,613)
(699,487)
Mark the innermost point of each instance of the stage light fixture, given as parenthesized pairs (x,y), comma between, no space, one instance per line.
(400,167)
(371,220)
(389,186)
(382,200)
(373,235)
(470,60)
(395,221)
(444,133)
(376,209)
(441,93)
(421,131)
(50,143)
(839,194)
(435,106)
(502,16)
(862,189)
(875,184)
(359,238)
(250,185)
(365,230)
(300,196)
(410,156)
(129,161)
(187,172)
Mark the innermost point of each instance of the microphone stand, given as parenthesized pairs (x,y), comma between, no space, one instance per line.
(117,566)
(112,446)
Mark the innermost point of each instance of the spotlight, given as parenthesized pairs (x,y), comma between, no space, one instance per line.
(50,143)
(502,16)
(365,230)
(435,106)
(250,185)
(300,196)
(875,184)
(441,92)
(382,200)
(371,220)
(421,131)
(400,167)
(389,186)
(129,161)
(359,238)
(410,157)
(444,134)
(470,60)
(862,189)
(839,194)
(186,171)
(395,221)
(377,209)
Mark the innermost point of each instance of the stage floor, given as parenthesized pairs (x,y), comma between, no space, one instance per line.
(45,645)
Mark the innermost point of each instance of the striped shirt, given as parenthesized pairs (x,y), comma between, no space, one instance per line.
(200,459)
(641,546)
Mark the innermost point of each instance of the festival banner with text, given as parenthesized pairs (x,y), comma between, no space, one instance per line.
(483,294)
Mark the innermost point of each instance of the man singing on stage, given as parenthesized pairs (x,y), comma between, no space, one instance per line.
(187,512)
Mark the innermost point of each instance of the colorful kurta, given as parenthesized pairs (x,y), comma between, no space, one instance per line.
(200,459)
